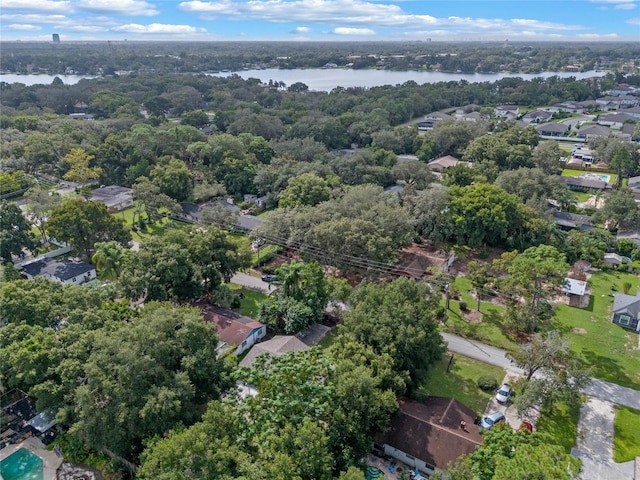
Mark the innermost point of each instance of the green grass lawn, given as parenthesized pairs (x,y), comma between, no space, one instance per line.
(582,197)
(461,381)
(156,229)
(328,339)
(609,350)
(561,425)
(626,434)
(250,305)
(491,330)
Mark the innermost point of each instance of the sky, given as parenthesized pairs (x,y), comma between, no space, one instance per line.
(320,20)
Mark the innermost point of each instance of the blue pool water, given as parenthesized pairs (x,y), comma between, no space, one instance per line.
(22,465)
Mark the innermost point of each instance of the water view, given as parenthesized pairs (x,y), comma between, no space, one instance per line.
(327,79)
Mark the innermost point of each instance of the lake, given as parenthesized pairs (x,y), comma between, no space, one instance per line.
(41,79)
(327,79)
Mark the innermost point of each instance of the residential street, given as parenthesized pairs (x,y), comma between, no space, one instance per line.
(251,282)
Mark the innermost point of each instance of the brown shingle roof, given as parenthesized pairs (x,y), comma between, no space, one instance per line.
(231,328)
(431,431)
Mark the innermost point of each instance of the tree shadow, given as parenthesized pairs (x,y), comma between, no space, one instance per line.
(607,369)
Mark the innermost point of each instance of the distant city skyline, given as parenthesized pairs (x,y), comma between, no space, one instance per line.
(321,20)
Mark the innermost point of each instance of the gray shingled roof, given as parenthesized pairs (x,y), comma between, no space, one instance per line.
(61,269)
(623,303)
(277,346)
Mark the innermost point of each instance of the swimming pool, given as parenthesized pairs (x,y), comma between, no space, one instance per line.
(596,176)
(22,465)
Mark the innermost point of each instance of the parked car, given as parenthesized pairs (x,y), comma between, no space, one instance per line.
(269,278)
(490,420)
(503,394)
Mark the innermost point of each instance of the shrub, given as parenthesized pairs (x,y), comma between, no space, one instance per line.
(463,306)
(626,287)
(487,383)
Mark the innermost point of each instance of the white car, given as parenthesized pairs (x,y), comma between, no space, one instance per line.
(503,394)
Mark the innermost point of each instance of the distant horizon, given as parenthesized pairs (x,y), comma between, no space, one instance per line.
(321,20)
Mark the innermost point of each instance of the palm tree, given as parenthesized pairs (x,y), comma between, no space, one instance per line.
(108,259)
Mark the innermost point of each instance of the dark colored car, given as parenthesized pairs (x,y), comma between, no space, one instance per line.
(269,278)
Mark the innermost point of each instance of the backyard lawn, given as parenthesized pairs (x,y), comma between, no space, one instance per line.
(490,330)
(461,381)
(561,425)
(250,306)
(610,351)
(155,229)
(626,434)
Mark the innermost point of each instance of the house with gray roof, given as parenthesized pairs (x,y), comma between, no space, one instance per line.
(626,311)
(275,347)
(67,271)
(615,120)
(552,129)
(115,197)
(585,184)
(537,116)
(572,221)
(593,131)
(429,120)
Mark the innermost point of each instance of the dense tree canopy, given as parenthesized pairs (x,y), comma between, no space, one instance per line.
(15,232)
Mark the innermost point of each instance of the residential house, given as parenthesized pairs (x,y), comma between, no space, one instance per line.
(592,131)
(470,117)
(613,260)
(67,271)
(615,120)
(628,132)
(275,347)
(552,129)
(236,332)
(254,200)
(190,212)
(633,111)
(537,116)
(572,221)
(576,291)
(506,111)
(428,436)
(586,184)
(622,89)
(429,120)
(442,163)
(115,197)
(626,311)
(568,107)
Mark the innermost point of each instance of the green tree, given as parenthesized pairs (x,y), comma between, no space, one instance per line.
(79,170)
(481,278)
(396,319)
(546,157)
(195,118)
(40,204)
(15,232)
(145,377)
(148,199)
(305,189)
(414,173)
(173,179)
(534,275)
(299,300)
(620,210)
(82,224)
(108,259)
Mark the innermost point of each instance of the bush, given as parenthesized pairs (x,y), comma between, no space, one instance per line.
(441,312)
(463,306)
(487,383)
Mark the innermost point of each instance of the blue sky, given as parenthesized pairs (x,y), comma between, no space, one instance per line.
(327,20)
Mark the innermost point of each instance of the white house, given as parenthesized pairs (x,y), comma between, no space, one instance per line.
(507,111)
(68,271)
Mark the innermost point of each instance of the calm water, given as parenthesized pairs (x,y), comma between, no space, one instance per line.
(29,80)
(22,465)
(326,80)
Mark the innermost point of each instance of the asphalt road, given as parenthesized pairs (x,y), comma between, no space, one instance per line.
(251,282)
(495,356)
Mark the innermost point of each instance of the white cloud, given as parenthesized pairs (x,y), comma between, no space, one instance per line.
(22,26)
(634,21)
(155,28)
(301,30)
(356,13)
(598,36)
(62,6)
(33,18)
(86,28)
(119,7)
(613,1)
(625,6)
(353,31)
